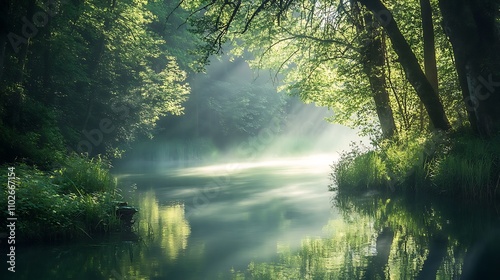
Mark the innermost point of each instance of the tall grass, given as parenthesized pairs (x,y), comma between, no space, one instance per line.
(469,167)
(85,175)
(72,202)
(360,171)
(456,165)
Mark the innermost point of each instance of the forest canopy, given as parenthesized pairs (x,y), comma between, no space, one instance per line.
(88,76)
(94,76)
(402,66)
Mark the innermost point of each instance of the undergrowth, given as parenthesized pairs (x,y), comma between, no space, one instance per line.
(456,164)
(73,201)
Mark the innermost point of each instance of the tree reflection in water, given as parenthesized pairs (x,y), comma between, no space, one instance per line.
(386,236)
(164,233)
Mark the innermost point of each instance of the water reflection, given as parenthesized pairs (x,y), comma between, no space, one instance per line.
(164,233)
(166,225)
(258,209)
(276,220)
(394,237)
(158,249)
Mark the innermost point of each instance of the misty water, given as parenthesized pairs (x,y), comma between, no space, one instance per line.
(272,219)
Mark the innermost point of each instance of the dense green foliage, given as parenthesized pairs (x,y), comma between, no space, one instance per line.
(73,201)
(321,52)
(90,78)
(395,70)
(458,165)
(83,78)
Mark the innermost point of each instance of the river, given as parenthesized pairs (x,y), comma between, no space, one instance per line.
(275,219)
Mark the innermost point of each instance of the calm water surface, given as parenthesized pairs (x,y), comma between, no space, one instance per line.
(276,220)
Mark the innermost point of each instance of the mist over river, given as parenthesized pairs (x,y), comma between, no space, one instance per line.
(272,219)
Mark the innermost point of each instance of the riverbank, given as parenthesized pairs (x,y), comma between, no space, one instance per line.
(72,201)
(457,164)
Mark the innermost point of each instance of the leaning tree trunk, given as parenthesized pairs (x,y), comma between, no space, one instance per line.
(410,64)
(472,29)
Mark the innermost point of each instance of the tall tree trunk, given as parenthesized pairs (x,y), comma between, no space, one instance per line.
(430,65)
(373,61)
(464,85)
(472,29)
(429,44)
(410,64)
(373,66)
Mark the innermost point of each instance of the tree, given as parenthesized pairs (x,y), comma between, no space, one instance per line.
(113,78)
(325,23)
(429,44)
(408,60)
(472,27)
(373,61)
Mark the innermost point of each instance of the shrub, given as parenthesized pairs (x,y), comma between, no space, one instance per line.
(48,208)
(459,164)
(85,175)
(360,169)
(468,167)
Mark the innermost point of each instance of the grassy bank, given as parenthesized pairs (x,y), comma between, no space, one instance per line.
(456,164)
(72,201)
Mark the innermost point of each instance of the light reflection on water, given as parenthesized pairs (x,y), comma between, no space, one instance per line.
(283,166)
(274,220)
(258,208)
